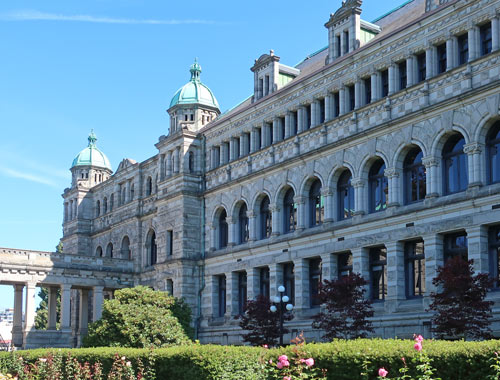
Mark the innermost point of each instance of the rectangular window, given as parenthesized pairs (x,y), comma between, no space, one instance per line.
(339,52)
(421,67)
(415,269)
(269,131)
(441,58)
(217,157)
(170,287)
(403,81)
(247,143)
(266,86)
(463,49)
(351,97)
(258,138)
(384,77)
(264,282)
(378,273)
(221,295)
(485,37)
(455,245)
(494,254)
(346,42)
(192,117)
(314,282)
(237,153)
(322,111)
(336,101)
(242,292)
(308,116)
(282,127)
(170,243)
(368,90)
(344,264)
(289,281)
(294,123)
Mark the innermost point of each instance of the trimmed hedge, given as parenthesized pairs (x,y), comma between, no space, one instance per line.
(343,359)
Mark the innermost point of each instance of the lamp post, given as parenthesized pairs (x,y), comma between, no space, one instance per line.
(281,300)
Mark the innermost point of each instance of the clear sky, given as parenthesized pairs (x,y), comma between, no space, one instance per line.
(113,65)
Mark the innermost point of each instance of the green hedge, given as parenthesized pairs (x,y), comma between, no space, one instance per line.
(342,359)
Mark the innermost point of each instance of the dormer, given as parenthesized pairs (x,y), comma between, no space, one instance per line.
(270,75)
(346,31)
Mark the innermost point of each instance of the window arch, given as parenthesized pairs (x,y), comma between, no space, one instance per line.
(98,251)
(223,229)
(265,219)
(98,208)
(152,248)
(243,233)
(105,205)
(289,212)
(493,154)
(378,186)
(345,196)
(454,165)
(125,249)
(109,250)
(414,176)
(149,186)
(316,204)
(191,162)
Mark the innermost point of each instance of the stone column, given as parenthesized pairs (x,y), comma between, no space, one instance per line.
(287,124)
(357,94)
(276,130)
(231,149)
(213,236)
(17,325)
(328,193)
(301,273)
(84,315)
(253,138)
(333,53)
(98,300)
(252,225)
(242,145)
(429,62)
(475,170)
(315,113)
(342,44)
(52,308)
(392,79)
(359,195)
(433,260)
(431,167)
(176,160)
(410,71)
(473,41)
(477,238)
(231,294)
(65,307)
(275,278)
(328,107)
(450,53)
(29,316)
(393,178)
(169,164)
(495,43)
(300,117)
(275,220)
(342,100)
(361,265)
(253,282)
(396,283)
(329,267)
(301,212)
(375,87)
(231,231)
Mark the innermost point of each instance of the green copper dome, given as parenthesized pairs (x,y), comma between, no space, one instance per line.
(91,156)
(194,92)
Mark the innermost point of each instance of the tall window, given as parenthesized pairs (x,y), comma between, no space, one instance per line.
(98,208)
(322,103)
(344,264)
(308,116)
(421,67)
(494,254)
(109,250)
(485,36)
(98,251)
(105,205)
(454,165)
(314,282)
(125,249)
(289,212)
(441,56)
(414,176)
(289,281)
(455,245)
(124,192)
(345,196)
(316,205)
(265,217)
(294,123)
(351,97)
(191,162)
(378,272)
(132,191)
(223,230)
(242,292)
(336,101)
(264,282)
(403,75)
(493,153)
(384,76)
(111,202)
(463,49)
(415,269)
(170,243)
(149,186)
(378,187)
(153,249)
(368,90)
(243,224)
(221,295)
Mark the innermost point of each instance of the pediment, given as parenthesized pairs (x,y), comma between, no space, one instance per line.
(126,163)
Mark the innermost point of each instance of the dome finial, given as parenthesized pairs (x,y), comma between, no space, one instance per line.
(195,70)
(92,139)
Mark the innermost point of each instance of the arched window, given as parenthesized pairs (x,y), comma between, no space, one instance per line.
(454,165)
(223,230)
(125,249)
(131,192)
(243,224)
(345,196)
(289,212)
(105,205)
(109,250)
(191,162)
(98,208)
(316,205)
(493,153)
(378,187)
(149,186)
(414,177)
(265,219)
(153,249)
(98,251)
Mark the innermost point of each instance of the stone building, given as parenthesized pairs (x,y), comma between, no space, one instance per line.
(378,154)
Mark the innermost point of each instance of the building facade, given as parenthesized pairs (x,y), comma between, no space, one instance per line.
(378,155)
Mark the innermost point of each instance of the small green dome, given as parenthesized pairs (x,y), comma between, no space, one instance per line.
(194,92)
(91,156)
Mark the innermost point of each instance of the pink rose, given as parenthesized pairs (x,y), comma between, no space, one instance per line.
(418,346)
(419,338)
(265,346)
(285,363)
(279,365)
(287,378)
(382,372)
(282,357)
(309,362)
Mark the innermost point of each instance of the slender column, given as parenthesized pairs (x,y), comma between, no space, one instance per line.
(375,87)
(477,238)
(84,314)
(392,79)
(169,164)
(232,231)
(393,177)
(342,100)
(252,283)
(357,95)
(429,62)
(450,54)
(473,151)
(98,300)
(342,44)
(29,317)
(17,325)
(287,124)
(301,212)
(473,42)
(431,168)
(242,145)
(395,271)
(275,278)
(65,307)
(231,294)
(275,220)
(410,72)
(176,160)
(361,265)
(314,113)
(213,237)
(495,43)
(301,273)
(253,137)
(328,107)
(359,190)
(276,130)
(252,225)
(52,308)
(300,117)
(329,267)
(327,193)
(433,260)
(231,150)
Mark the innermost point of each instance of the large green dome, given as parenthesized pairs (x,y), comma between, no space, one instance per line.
(194,92)
(91,156)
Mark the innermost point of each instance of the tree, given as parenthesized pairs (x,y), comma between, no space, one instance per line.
(261,323)
(461,311)
(345,310)
(141,317)
(59,247)
(42,311)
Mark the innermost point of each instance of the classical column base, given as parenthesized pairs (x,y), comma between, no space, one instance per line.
(17,336)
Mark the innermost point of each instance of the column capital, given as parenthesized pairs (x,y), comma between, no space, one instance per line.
(391,173)
(430,161)
(357,182)
(299,199)
(473,148)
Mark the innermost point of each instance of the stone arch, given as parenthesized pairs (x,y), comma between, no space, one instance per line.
(109,250)
(443,136)
(98,251)
(280,193)
(402,151)
(367,163)
(151,248)
(484,128)
(307,182)
(337,172)
(220,227)
(237,204)
(125,251)
(257,200)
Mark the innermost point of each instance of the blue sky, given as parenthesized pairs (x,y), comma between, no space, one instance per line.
(68,66)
